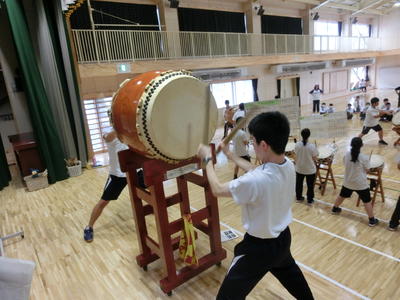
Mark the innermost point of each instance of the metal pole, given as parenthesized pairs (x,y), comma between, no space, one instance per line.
(93,30)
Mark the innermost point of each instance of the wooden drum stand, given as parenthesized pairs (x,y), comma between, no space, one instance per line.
(155,173)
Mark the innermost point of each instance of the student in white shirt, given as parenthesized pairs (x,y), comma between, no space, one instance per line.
(306,155)
(363,113)
(324,109)
(372,121)
(355,180)
(331,108)
(388,116)
(363,85)
(240,113)
(240,142)
(349,111)
(316,97)
(357,107)
(115,183)
(265,194)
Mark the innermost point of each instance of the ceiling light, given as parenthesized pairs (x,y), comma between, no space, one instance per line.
(397,4)
(260,11)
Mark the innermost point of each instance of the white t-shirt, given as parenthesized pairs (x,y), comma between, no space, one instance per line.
(239,147)
(237,114)
(265,195)
(370,121)
(304,158)
(323,109)
(331,109)
(113,148)
(355,176)
(316,94)
(350,110)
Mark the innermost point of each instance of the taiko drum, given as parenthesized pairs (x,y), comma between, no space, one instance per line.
(164,115)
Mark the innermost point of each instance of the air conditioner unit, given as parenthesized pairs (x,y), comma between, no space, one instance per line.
(358,62)
(218,74)
(290,68)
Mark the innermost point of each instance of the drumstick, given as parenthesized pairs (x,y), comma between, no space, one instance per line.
(370,154)
(238,126)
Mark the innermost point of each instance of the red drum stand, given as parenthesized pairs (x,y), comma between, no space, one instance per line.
(152,201)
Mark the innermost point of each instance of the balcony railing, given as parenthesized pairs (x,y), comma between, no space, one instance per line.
(128,45)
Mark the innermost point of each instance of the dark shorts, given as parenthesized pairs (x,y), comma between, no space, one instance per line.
(365,195)
(246,157)
(113,187)
(365,129)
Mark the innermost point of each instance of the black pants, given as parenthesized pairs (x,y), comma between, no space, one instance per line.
(394,220)
(255,257)
(310,179)
(315,107)
(227,125)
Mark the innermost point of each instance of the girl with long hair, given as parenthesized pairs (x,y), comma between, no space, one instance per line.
(306,155)
(355,180)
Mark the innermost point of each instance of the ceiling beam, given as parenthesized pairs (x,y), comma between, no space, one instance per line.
(322,4)
(364,5)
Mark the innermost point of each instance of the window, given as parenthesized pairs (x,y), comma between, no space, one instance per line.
(236,92)
(355,77)
(327,35)
(361,31)
(97,121)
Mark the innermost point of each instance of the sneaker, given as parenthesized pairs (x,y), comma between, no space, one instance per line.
(382,142)
(336,210)
(88,234)
(392,228)
(372,222)
(310,201)
(300,199)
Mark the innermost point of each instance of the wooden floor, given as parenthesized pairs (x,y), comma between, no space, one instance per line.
(341,257)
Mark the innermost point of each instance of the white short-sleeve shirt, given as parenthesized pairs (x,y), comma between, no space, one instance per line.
(113,148)
(370,120)
(355,175)
(304,158)
(239,146)
(265,195)
(237,114)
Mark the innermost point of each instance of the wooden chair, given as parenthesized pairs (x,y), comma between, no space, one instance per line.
(322,179)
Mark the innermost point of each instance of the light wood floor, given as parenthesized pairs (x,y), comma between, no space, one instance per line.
(341,257)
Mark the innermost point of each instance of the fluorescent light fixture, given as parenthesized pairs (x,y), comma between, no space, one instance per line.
(397,4)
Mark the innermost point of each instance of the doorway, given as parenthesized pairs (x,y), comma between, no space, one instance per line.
(289,87)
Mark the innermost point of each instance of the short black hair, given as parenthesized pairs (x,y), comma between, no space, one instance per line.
(241,106)
(226,101)
(374,100)
(273,128)
(386,99)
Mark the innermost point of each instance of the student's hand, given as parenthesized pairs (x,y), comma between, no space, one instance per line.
(203,151)
(223,147)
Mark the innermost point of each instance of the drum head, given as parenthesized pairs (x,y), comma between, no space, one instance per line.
(376,161)
(324,152)
(177,113)
(290,147)
(396,119)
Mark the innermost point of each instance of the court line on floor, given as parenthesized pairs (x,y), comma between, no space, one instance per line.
(348,240)
(349,210)
(309,269)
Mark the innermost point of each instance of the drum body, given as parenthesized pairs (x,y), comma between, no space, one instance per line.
(164,115)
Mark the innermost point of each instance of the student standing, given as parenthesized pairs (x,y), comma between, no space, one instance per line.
(240,142)
(316,97)
(306,155)
(265,194)
(371,121)
(355,180)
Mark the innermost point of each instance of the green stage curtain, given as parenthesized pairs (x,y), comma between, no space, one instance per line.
(5,175)
(39,109)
